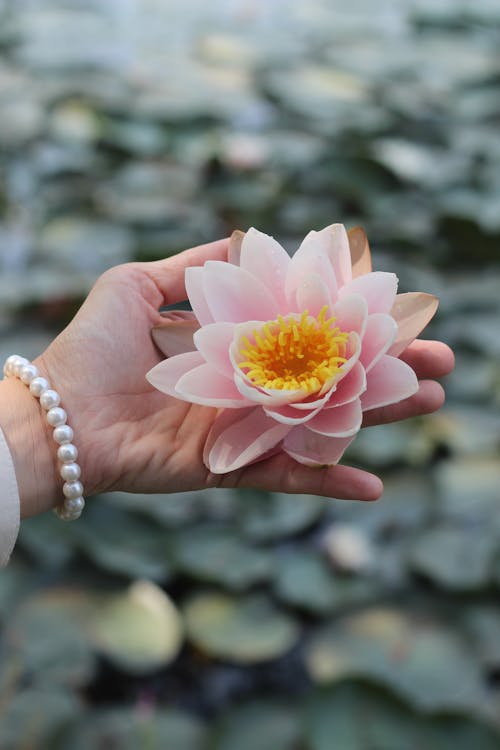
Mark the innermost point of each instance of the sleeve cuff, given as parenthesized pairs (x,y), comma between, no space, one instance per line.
(9,503)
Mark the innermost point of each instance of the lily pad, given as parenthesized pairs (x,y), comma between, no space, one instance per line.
(304,579)
(139,630)
(361,717)
(421,660)
(260,725)
(35,717)
(122,543)
(455,557)
(265,517)
(133,728)
(218,555)
(245,630)
(46,640)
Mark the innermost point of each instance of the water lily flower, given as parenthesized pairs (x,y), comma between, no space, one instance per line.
(291,350)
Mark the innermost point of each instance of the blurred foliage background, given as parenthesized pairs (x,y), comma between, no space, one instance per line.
(131,129)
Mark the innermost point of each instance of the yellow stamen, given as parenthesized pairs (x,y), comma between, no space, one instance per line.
(294,353)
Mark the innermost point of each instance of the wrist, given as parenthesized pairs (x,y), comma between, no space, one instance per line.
(32,447)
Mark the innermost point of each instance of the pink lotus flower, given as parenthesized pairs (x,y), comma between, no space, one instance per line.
(292,350)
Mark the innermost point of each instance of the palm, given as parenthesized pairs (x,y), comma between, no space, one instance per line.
(148,440)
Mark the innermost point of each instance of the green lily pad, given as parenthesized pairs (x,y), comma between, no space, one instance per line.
(482,623)
(139,630)
(304,579)
(243,630)
(46,541)
(122,543)
(218,555)
(46,639)
(171,511)
(35,717)
(266,517)
(260,725)
(357,716)
(421,660)
(134,728)
(455,557)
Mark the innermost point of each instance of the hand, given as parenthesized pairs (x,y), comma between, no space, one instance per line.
(134,438)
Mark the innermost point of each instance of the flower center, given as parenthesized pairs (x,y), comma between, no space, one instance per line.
(294,353)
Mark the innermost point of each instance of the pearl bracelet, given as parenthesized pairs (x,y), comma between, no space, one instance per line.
(73,504)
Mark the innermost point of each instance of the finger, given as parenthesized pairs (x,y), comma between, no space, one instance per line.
(429,398)
(280,473)
(168,274)
(429,359)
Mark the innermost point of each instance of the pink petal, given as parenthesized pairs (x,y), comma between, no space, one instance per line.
(234,249)
(213,342)
(165,375)
(194,287)
(351,313)
(264,396)
(360,252)
(378,288)
(312,294)
(204,385)
(234,295)
(309,258)
(312,449)
(174,334)
(390,381)
(288,414)
(265,259)
(412,312)
(342,421)
(336,244)
(349,388)
(233,443)
(381,330)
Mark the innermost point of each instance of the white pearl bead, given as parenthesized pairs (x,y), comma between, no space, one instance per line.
(9,364)
(56,416)
(49,398)
(66,515)
(72,489)
(28,372)
(70,472)
(38,385)
(74,505)
(18,366)
(67,453)
(63,434)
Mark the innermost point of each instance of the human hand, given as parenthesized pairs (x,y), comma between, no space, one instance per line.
(133,438)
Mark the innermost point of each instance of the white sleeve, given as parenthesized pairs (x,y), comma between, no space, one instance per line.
(9,503)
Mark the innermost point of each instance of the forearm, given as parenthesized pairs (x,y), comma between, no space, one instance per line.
(33,450)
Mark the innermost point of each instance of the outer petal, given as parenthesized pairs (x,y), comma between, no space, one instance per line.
(390,381)
(381,330)
(412,312)
(236,442)
(213,342)
(265,259)
(165,375)
(174,334)
(351,313)
(336,243)
(378,288)
(360,252)
(204,385)
(309,448)
(234,249)
(343,421)
(312,294)
(309,258)
(235,295)
(193,280)
(349,388)
(288,414)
